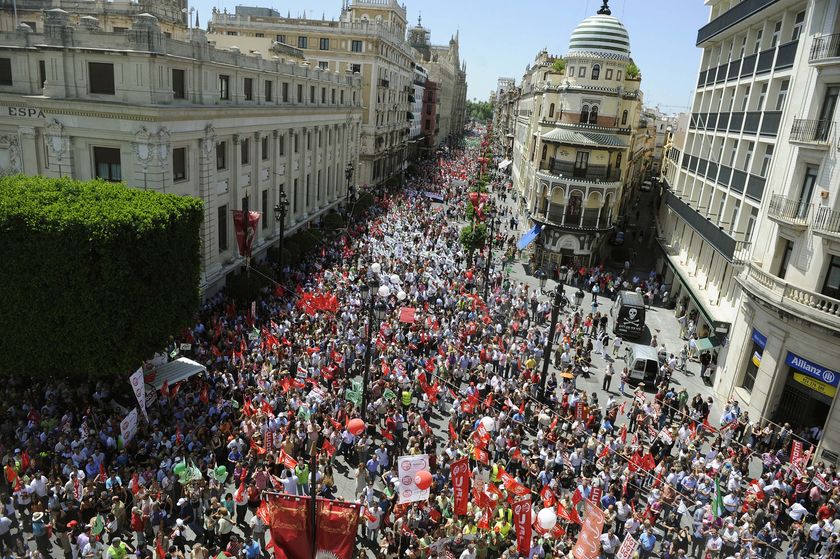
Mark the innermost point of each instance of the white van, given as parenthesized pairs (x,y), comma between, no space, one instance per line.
(642,362)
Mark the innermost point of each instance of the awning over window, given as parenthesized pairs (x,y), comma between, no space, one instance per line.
(529,237)
(707,344)
(173,372)
(504,164)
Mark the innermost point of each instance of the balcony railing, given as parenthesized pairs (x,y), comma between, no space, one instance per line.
(789,211)
(732,16)
(803,303)
(811,131)
(825,48)
(827,221)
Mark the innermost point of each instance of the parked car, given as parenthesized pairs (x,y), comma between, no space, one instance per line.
(646,186)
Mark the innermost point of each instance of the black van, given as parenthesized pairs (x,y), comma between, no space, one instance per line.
(628,314)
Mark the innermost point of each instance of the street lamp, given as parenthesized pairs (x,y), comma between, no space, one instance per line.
(348,174)
(555,309)
(489,258)
(281,209)
(373,296)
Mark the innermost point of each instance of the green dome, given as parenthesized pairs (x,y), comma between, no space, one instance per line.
(600,34)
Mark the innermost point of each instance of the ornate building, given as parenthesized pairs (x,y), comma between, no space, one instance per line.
(572,139)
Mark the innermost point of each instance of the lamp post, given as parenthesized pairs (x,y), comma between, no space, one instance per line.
(281,209)
(348,174)
(489,258)
(555,309)
(372,295)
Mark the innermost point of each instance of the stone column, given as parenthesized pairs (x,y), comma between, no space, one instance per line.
(206,191)
(28,161)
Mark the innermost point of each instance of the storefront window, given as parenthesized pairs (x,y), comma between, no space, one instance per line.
(754,361)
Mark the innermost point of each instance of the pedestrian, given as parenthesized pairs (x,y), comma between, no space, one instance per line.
(617,341)
(625,377)
(608,375)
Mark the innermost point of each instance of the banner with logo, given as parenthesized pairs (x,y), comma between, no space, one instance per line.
(795,451)
(138,384)
(408,466)
(290,526)
(628,546)
(522,525)
(245,233)
(588,545)
(128,426)
(460,474)
(336,525)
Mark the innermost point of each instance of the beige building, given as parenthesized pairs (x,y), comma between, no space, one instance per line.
(573,132)
(783,358)
(367,39)
(504,110)
(177,115)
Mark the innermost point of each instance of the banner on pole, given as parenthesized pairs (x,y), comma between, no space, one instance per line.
(408,466)
(290,526)
(128,426)
(628,546)
(138,384)
(588,545)
(460,474)
(337,523)
(522,525)
(245,233)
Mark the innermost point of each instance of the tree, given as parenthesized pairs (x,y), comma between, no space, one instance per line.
(633,71)
(96,276)
(473,238)
(481,111)
(559,65)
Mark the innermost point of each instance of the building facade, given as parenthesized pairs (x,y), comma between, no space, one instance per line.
(415,133)
(504,112)
(710,209)
(431,117)
(179,117)
(572,137)
(784,354)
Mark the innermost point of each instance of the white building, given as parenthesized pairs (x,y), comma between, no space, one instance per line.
(416,99)
(784,353)
(178,116)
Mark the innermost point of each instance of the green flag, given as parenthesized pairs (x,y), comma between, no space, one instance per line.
(356,386)
(354,396)
(717,504)
(389,394)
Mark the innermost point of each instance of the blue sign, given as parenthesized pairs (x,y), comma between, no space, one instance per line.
(759,338)
(813,370)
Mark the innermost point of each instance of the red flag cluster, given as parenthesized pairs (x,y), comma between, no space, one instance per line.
(291,527)
(311,303)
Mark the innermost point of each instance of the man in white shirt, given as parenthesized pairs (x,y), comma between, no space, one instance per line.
(609,544)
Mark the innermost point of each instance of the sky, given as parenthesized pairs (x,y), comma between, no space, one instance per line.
(499,38)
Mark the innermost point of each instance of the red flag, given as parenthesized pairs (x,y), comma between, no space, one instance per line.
(257,448)
(102,474)
(342,518)
(588,544)
(522,525)
(424,426)
(604,452)
(267,409)
(164,390)
(204,395)
(622,434)
(290,526)
(576,496)
(246,409)
(286,460)
(553,423)
(547,496)
(522,407)
(240,492)
(328,447)
(159,546)
(460,475)
(570,514)
(481,455)
(452,434)
(174,390)
(387,434)
(264,513)
(488,401)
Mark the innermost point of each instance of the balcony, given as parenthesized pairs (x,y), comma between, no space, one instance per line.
(827,222)
(814,132)
(592,174)
(802,303)
(825,50)
(567,217)
(787,55)
(731,17)
(788,211)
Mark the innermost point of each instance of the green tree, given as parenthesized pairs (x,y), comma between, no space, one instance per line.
(559,65)
(473,238)
(481,111)
(633,71)
(96,276)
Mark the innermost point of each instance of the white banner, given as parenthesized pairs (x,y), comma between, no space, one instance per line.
(408,466)
(139,386)
(628,546)
(128,426)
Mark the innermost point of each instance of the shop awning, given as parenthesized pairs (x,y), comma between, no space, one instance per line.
(529,237)
(707,344)
(173,372)
(504,164)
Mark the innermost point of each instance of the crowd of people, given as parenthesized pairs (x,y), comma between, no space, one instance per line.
(459,378)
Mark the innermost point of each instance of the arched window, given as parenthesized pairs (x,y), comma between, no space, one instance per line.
(618,161)
(596,71)
(624,118)
(584,114)
(593,115)
(551,111)
(544,151)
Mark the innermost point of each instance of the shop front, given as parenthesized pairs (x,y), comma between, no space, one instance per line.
(809,392)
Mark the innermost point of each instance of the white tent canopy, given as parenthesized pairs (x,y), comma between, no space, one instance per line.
(503,165)
(173,372)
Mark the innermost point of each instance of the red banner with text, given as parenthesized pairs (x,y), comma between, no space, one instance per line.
(245,232)
(336,523)
(522,525)
(588,545)
(460,473)
(290,526)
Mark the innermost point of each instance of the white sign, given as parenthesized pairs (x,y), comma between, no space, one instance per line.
(408,466)
(665,435)
(628,546)
(139,386)
(128,426)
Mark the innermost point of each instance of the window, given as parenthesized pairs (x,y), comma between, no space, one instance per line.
(783,91)
(745,99)
(593,115)
(757,46)
(544,152)
(596,71)
(285,92)
(733,153)
(268,86)
(831,284)
(584,114)
(297,142)
(309,140)
(777,30)
(101,76)
(609,73)
(295,197)
(32,25)
(324,44)
(259,34)
(312,94)
(323,95)
(299,97)
(280,39)
(551,111)
(806,193)
(264,209)
(751,224)
(582,72)
(618,161)
(768,157)
(748,157)
(106,162)
(303,42)
(264,148)
(245,151)
(753,362)
(224,87)
(341,97)
(221,156)
(178,84)
(5,71)
(179,164)
(332,96)
(797,26)
(42,72)
(571,70)
(355,46)
(743,47)
(222,214)
(761,96)
(248,89)
(618,75)
(786,249)
(120,29)
(356,68)
(232,33)
(323,65)
(281,144)
(624,118)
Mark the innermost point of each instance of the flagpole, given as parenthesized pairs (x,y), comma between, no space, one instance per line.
(313,468)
